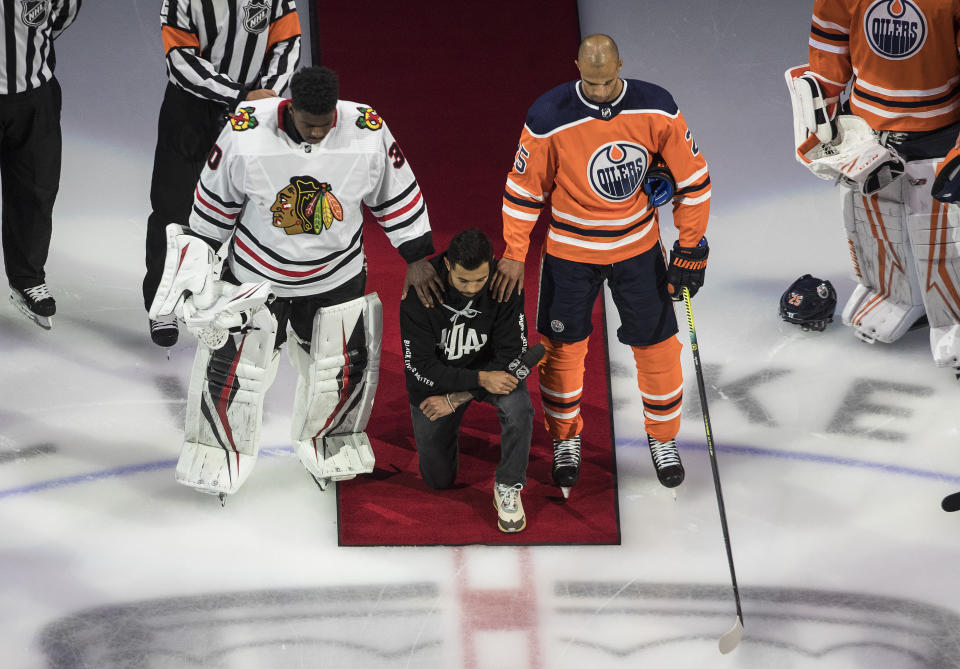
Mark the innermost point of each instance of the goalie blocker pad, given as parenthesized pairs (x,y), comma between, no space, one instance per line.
(190,266)
(336,387)
(225,408)
(840,147)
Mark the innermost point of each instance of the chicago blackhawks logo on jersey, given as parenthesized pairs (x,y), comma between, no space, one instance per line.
(616,170)
(34,12)
(895,29)
(306,205)
(256,16)
(370,120)
(243,119)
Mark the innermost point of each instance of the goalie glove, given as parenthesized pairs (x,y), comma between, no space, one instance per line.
(659,184)
(818,112)
(687,267)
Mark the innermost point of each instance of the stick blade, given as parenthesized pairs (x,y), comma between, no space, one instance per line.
(566,491)
(731,639)
(951,502)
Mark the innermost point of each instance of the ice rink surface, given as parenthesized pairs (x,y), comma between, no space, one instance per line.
(834,454)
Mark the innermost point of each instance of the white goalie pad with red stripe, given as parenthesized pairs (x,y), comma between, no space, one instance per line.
(225,408)
(336,387)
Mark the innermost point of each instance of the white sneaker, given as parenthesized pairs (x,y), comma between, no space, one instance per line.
(506,499)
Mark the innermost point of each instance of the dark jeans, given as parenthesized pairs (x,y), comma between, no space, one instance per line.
(186,131)
(30,149)
(437,442)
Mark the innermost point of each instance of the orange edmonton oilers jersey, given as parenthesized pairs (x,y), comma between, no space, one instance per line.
(591,160)
(901,55)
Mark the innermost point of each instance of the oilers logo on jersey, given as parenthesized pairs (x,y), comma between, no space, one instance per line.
(34,12)
(616,170)
(306,205)
(895,29)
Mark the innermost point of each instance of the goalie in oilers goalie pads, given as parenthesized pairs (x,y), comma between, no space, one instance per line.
(236,363)
(904,244)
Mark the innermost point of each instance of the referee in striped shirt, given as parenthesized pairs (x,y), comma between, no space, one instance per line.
(30,145)
(218,54)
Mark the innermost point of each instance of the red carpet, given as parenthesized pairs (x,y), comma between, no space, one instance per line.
(454,88)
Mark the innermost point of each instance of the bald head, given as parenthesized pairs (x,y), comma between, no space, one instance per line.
(596,50)
(598,60)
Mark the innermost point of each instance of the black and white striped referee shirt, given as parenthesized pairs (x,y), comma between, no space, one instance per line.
(26,45)
(221,49)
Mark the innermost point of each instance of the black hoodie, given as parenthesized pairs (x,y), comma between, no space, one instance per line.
(444,346)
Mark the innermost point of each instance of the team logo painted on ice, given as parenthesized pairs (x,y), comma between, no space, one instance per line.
(34,12)
(370,120)
(306,205)
(895,29)
(256,16)
(243,119)
(616,170)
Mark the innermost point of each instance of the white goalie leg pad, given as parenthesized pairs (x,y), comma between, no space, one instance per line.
(336,387)
(935,238)
(190,266)
(887,301)
(225,408)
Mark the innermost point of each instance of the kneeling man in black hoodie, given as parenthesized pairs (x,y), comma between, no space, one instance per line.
(459,351)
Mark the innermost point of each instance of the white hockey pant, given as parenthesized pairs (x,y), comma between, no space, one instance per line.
(335,389)
(225,408)
(906,258)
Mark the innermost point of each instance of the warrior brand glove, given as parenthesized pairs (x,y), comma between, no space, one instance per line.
(946,187)
(687,267)
(658,184)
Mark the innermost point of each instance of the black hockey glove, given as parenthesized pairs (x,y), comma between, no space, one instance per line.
(687,267)
(658,184)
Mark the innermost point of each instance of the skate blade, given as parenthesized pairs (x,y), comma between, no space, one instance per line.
(565,491)
(46,322)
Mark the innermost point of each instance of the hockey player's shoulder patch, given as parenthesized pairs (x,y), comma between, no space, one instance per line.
(645,95)
(369,119)
(243,119)
(555,108)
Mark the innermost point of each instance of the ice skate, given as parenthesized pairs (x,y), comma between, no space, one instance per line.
(36,303)
(164,331)
(506,500)
(566,463)
(666,459)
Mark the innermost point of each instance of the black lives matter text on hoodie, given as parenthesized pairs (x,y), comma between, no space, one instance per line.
(444,346)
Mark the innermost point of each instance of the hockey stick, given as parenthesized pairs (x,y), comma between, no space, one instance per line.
(729,640)
(951,502)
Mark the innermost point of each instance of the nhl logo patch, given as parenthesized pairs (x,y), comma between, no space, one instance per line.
(34,12)
(256,16)
(895,29)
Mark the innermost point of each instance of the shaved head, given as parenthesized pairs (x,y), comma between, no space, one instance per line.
(598,60)
(596,50)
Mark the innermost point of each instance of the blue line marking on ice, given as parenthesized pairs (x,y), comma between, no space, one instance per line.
(115,473)
(813,457)
(735,450)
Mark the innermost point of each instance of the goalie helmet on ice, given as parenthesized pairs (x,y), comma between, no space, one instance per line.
(809,302)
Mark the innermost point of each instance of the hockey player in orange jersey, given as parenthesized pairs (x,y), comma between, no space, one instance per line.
(593,146)
(878,107)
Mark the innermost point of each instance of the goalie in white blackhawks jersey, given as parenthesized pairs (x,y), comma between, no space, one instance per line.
(282,197)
